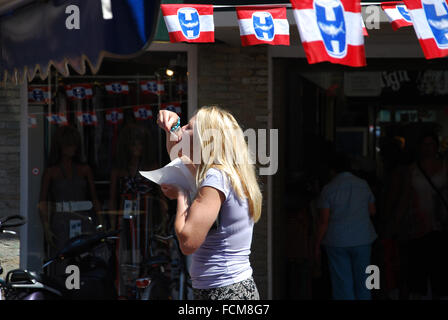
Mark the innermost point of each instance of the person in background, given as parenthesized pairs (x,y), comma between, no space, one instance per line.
(68,205)
(423,216)
(346,231)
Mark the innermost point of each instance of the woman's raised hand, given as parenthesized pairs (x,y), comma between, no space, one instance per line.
(166,119)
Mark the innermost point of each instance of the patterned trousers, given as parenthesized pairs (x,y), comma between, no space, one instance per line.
(244,290)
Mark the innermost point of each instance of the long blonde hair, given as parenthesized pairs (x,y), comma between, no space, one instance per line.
(223,147)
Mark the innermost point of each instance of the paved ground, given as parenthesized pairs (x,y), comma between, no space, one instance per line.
(9,253)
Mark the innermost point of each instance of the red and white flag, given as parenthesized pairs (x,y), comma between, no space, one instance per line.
(57,118)
(331,31)
(114,116)
(173,106)
(364,29)
(117,87)
(189,22)
(263,25)
(430,20)
(143,112)
(87,118)
(79,91)
(160,87)
(397,13)
(152,87)
(38,95)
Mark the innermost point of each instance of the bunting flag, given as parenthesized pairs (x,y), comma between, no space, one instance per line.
(160,87)
(397,13)
(57,118)
(114,116)
(152,87)
(38,95)
(430,20)
(32,121)
(79,91)
(265,25)
(172,106)
(189,22)
(143,112)
(331,31)
(117,87)
(87,118)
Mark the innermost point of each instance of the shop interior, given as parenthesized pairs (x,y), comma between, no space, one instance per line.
(376,117)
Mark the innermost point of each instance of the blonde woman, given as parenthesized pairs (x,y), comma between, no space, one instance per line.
(216,229)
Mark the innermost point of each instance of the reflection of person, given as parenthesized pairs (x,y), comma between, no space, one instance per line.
(228,193)
(135,153)
(346,231)
(130,193)
(68,185)
(422,213)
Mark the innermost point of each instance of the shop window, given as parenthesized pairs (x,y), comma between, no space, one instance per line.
(89,136)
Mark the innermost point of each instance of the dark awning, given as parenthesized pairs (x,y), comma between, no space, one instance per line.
(34,37)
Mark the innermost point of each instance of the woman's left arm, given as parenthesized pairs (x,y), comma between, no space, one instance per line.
(193,222)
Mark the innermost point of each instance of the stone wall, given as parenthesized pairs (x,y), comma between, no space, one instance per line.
(236,78)
(9,149)
(9,172)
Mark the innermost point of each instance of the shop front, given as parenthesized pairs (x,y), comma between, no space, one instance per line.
(88,125)
(110,117)
(316,109)
(376,115)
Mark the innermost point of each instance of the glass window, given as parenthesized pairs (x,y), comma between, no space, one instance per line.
(89,136)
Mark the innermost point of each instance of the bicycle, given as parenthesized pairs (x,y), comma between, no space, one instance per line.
(156,285)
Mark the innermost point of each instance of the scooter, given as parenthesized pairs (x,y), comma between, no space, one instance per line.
(95,279)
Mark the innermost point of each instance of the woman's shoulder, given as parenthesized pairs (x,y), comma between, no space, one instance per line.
(214,171)
(217,172)
(217,178)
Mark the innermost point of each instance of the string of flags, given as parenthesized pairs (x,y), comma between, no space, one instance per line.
(83,91)
(113,116)
(330,31)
